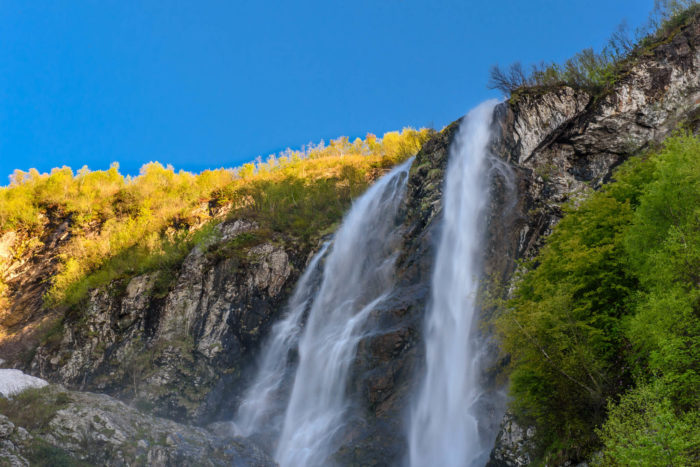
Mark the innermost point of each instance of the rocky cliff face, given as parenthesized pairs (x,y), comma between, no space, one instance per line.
(82,428)
(176,351)
(565,143)
(551,147)
(182,352)
(25,264)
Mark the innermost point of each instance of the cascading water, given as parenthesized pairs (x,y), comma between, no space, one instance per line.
(444,426)
(263,403)
(357,275)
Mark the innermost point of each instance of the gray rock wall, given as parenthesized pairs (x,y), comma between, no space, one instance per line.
(81,428)
(182,353)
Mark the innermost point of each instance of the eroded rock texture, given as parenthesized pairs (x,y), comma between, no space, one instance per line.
(176,352)
(82,428)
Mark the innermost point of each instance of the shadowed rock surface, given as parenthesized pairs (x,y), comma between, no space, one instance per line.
(176,352)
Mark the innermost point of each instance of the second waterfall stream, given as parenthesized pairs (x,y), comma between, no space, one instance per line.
(357,275)
(301,404)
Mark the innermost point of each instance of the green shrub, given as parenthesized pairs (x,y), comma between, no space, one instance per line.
(644,429)
(34,408)
(611,302)
(42,454)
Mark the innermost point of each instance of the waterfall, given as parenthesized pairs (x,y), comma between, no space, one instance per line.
(445,425)
(263,402)
(357,275)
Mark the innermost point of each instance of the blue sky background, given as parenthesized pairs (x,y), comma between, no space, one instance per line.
(205,84)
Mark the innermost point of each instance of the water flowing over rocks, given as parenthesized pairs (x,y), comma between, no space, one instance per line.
(358,275)
(185,352)
(261,411)
(447,423)
(553,147)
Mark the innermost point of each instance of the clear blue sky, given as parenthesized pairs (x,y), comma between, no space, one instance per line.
(204,84)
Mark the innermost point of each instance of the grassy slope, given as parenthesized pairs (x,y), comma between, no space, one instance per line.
(119,227)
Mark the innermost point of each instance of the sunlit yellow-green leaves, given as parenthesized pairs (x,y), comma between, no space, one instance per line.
(120,226)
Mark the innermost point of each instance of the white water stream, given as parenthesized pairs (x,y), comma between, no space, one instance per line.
(263,404)
(334,298)
(358,274)
(444,429)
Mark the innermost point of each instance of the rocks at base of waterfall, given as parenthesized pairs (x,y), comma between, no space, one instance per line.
(99,430)
(254,455)
(514,445)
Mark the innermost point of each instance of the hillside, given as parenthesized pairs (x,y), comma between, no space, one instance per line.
(63,234)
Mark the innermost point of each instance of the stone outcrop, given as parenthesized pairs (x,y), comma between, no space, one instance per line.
(82,428)
(25,263)
(514,444)
(177,351)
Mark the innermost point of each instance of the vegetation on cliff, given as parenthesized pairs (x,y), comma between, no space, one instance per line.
(603,327)
(594,71)
(121,226)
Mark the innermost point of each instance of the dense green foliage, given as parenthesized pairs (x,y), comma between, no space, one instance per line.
(597,71)
(644,428)
(121,226)
(603,327)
